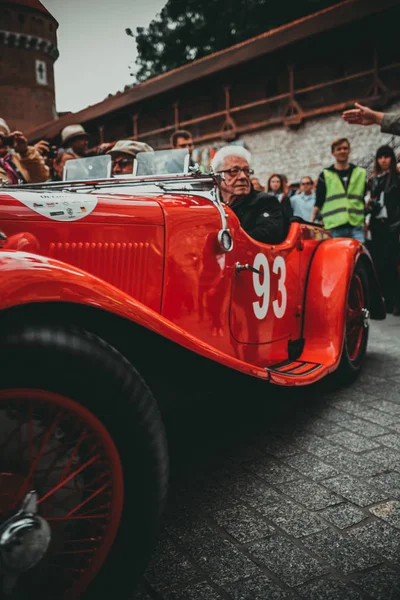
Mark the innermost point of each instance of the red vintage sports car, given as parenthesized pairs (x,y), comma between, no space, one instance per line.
(110,290)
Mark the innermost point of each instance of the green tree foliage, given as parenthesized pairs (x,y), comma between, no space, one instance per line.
(186,30)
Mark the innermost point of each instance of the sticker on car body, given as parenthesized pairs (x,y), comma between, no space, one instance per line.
(58,206)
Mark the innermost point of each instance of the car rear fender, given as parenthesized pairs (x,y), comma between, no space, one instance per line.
(325,298)
(27,279)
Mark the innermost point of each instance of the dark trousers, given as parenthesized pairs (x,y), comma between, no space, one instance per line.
(385,250)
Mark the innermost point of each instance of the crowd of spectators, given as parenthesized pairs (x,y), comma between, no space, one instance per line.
(343,198)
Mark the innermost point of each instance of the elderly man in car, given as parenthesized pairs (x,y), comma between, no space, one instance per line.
(260,214)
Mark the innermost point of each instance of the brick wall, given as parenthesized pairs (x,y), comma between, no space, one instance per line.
(306,151)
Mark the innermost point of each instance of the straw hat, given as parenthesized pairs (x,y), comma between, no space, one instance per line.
(4,127)
(72,131)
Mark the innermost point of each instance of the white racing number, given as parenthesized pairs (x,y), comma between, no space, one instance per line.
(262,286)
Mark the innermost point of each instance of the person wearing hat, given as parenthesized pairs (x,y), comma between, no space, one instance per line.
(75,140)
(19,163)
(123,154)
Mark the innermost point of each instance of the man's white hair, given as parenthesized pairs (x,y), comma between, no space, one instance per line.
(217,162)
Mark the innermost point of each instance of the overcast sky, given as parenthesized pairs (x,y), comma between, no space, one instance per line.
(95,52)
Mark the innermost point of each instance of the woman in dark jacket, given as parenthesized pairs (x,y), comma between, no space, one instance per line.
(384,206)
(277,186)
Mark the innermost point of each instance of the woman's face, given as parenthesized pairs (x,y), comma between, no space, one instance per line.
(384,163)
(275,184)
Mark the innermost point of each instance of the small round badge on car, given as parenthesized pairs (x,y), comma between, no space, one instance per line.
(225,240)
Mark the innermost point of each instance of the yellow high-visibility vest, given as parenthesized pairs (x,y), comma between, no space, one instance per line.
(342,206)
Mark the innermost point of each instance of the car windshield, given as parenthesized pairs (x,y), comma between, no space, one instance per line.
(160,162)
(92,167)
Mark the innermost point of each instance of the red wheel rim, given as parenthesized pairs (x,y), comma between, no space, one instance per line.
(354,319)
(56,446)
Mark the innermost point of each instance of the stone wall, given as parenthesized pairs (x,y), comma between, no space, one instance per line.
(306,151)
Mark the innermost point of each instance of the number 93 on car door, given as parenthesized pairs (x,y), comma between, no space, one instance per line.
(266,298)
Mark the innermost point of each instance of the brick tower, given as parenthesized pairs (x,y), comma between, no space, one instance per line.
(28,50)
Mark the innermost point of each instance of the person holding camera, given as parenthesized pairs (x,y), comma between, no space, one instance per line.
(384,225)
(19,163)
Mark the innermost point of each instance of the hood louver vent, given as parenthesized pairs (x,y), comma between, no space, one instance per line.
(121,264)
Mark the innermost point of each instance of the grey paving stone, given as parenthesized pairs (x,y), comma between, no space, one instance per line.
(348,405)
(311,466)
(243,523)
(380,537)
(249,488)
(293,519)
(384,458)
(389,512)
(291,564)
(384,404)
(389,482)
(394,426)
(375,416)
(381,583)
(391,440)
(352,441)
(168,567)
(322,427)
(328,588)
(355,490)
(318,446)
(279,447)
(260,587)
(348,462)
(363,427)
(345,554)
(188,526)
(392,394)
(343,515)
(196,591)
(310,494)
(331,413)
(223,562)
(273,471)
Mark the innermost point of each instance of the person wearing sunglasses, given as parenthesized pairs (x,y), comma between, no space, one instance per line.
(260,214)
(304,201)
(123,154)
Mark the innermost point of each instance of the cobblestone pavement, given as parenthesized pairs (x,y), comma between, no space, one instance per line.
(295,494)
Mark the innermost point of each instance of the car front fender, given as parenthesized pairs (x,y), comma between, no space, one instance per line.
(326,296)
(27,278)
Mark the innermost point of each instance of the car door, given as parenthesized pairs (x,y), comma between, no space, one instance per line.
(265,306)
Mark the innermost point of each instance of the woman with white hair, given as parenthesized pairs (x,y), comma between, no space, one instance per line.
(260,214)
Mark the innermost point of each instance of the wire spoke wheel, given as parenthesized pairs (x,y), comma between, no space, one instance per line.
(355,317)
(55,446)
(356,327)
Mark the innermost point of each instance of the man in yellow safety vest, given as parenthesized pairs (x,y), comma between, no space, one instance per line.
(340,194)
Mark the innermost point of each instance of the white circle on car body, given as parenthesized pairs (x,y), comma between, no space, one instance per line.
(58,206)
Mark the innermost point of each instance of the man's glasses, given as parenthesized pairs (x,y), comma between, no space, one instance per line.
(234,172)
(306,183)
(186,145)
(122,162)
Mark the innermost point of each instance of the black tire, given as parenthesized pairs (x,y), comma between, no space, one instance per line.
(353,353)
(85,369)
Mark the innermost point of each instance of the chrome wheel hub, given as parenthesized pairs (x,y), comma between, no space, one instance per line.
(24,538)
(365,317)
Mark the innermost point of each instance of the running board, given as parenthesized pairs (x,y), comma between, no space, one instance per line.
(296,372)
